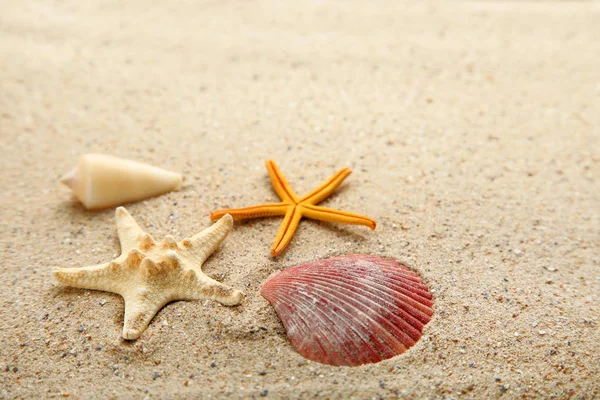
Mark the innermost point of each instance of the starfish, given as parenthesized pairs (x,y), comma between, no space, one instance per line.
(293,207)
(148,275)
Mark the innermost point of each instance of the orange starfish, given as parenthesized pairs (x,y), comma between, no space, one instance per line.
(293,207)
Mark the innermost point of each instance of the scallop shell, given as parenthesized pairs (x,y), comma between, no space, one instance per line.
(100,181)
(350,310)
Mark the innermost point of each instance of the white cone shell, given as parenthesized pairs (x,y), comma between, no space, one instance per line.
(101,181)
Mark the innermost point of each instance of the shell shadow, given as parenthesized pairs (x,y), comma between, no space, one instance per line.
(75,211)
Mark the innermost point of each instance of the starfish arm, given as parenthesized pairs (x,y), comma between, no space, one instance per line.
(331,215)
(200,246)
(286,230)
(325,190)
(205,288)
(129,231)
(140,307)
(280,184)
(97,277)
(263,210)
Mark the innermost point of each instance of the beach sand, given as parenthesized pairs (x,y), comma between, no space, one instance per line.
(472,129)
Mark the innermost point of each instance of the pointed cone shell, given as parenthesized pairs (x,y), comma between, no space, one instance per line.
(101,181)
(350,310)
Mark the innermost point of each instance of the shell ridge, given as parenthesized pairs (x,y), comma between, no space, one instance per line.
(405,274)
(358,334)
(422,309)
(304,300)
(406,320)
(412,280)
(291,321)
(401,338)
(351,310)
(409,308)
(398,275)
(407,290)
(322,334)
(389,344)
(403,289)
(357,310)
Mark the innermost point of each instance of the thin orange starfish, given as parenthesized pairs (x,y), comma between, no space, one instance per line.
(293,207)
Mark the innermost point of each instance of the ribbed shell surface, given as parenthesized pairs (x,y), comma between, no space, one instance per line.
(350,310)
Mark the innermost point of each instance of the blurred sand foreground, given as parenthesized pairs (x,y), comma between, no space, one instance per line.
(473,131)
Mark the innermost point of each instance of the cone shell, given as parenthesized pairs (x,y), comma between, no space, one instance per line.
(350,310)
(101,181)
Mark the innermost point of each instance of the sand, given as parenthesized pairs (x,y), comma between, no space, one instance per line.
(473,132)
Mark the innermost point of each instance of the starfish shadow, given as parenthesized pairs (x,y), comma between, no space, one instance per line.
(344,233)
(69,294)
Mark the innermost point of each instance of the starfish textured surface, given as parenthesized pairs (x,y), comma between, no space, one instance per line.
(293,207)
(149,275)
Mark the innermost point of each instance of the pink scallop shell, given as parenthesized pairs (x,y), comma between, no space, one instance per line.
(350,310)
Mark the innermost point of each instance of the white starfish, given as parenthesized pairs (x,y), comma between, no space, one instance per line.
(149,275)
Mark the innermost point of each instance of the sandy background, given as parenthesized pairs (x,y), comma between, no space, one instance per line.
(473,132)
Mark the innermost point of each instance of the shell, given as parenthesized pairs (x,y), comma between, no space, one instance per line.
(100,181)
(350,310)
